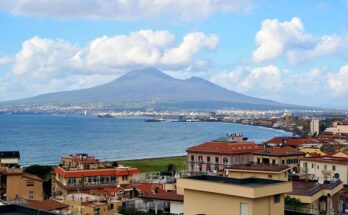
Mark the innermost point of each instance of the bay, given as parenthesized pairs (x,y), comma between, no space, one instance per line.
(43,139)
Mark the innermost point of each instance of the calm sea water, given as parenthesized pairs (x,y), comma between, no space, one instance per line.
(43,139)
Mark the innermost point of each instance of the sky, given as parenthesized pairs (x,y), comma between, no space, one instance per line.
(289,51)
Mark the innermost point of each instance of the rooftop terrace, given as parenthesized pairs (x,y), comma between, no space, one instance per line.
(249,182)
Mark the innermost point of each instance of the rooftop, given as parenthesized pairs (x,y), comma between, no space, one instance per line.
(46,205)
(289,141)
(225,147)
(249,182)
(327,159)
(259,167)
(21,210)
(166,196)
(9,154)
(310,188)
(279,151)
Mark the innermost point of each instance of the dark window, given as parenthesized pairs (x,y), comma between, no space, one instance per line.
(276,198)
(269,176)
(192,158)
(258,160)
(30,183)
(216,159)
(312,165)
(333,168)
(283,162)
(208,159)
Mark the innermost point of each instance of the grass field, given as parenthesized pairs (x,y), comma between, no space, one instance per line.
(157,164)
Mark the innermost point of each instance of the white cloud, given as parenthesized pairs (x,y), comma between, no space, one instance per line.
(123,9)
(4,60)
(277,38)
(263,82)
(338,82)
(47,65)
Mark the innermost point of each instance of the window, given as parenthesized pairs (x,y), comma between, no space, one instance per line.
(325,167)
(208,168)
(31,194)
(273,161)
(208,159)
(276,198)
(283,162)
(97,211)
(258,160)
(225,161)
(200,168)
(312,165)
(30,183)
(269,176)
(192,167)
(244,209)
(333,168)
(216,159)
(192,158)
(200,159)
(317,166)
(124,177)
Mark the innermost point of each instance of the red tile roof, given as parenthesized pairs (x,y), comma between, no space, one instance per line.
(327,159)
(46,205)
(146,187)
(288,141)
(167,196)
(259,167)
(225,148)
(95,172)
(279,151)
(32,177)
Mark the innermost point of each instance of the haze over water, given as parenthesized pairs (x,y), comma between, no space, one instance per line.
(43,139)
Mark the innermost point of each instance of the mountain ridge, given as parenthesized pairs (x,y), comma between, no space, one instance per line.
(151,86)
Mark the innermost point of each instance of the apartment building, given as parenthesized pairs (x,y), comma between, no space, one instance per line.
(328,168)
(279,156)
(216,195)
(211,157)
(17,184)
(81,172)
(9,158)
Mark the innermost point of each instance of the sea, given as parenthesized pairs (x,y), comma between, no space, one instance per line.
(43,139)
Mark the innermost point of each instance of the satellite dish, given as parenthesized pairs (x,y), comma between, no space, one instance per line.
(337,176)
(320,181)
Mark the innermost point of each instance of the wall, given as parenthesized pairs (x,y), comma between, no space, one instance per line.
(266,175)
(176,207)
(317,170)
(17,185)
(197,202)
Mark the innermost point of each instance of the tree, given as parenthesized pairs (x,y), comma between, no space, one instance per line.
(171,168)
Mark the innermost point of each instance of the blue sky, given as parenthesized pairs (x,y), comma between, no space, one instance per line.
(289,51)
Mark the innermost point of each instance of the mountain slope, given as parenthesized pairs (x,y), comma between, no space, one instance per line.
(151,85)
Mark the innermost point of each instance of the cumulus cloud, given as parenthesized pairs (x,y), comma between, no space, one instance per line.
(53,64)
(4,60)
(338,82)
(263,82)
(277,38)
(121,9)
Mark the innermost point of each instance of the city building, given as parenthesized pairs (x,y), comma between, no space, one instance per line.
(211,157)
(338,128)
(229,196)
(326,168)
(16,184)
(15,209)
(82,172)
(83,203)
(169,202)
(278,172)
(314,127)
(9,159)
(316,198)
(279,156)
(294,142)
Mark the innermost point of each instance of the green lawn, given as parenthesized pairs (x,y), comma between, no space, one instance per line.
(157,164)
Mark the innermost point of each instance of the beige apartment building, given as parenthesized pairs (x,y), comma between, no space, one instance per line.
(214,195)
(280,156)
(23,185)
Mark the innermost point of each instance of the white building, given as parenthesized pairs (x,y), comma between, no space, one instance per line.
(325,168)
(337,128)
(314,127)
